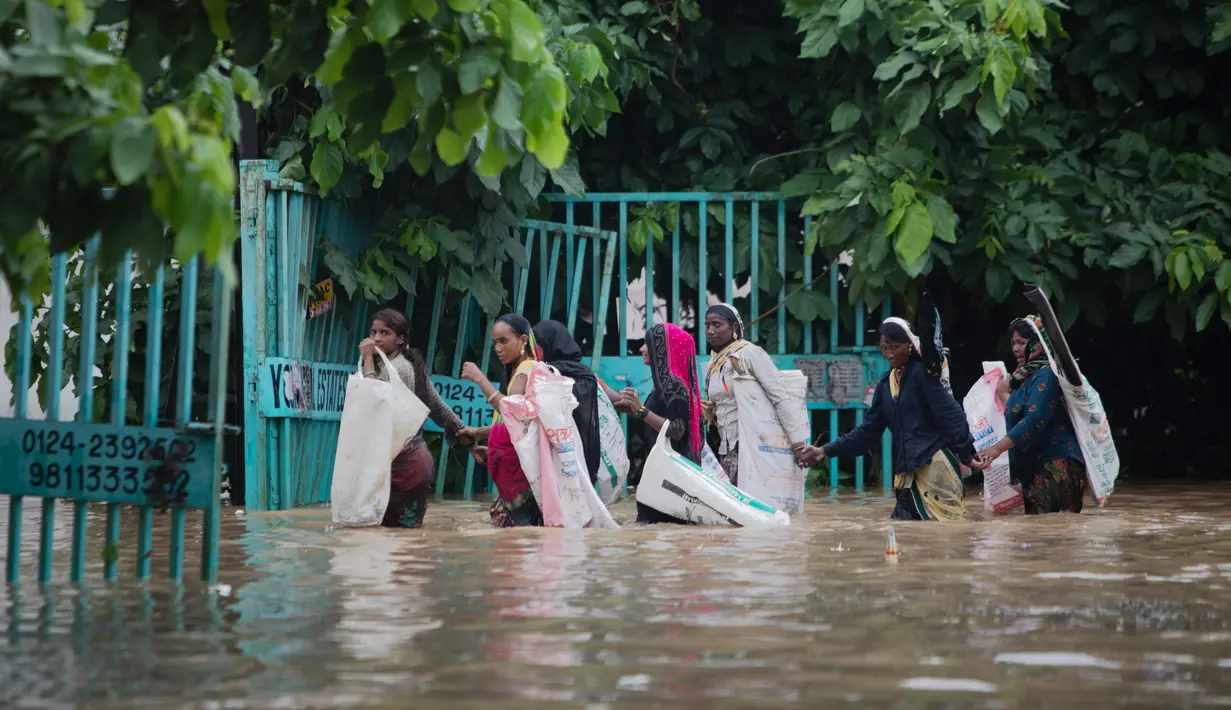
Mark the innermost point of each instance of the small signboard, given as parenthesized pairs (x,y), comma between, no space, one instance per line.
(320,301)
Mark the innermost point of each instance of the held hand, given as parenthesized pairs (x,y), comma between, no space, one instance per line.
(471,372)
(367,348)
(630,401)
(479,454)
(809,456)
(467,435)
(978,463)
(1002,389)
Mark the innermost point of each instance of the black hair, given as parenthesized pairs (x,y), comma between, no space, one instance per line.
(1022,327)
(521,326)
(400,325)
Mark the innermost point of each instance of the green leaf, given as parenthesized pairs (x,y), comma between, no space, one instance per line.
(487,290)
(385,18)
(425,8)
(326,165)
(999,282)
(1148,306)
(851,11)
(1182,270)
(634,8)
(802,184)
(551,147)
(533,176)
(506,109)
(427,81)
(1003,70)
(524,32)
(818,45)
(420,160)
(42,24)
(991,10)
(638,236)
(478,65)
(889,68)
(914,105)
(958,91)
(895,219)
(915,234)
(989,113)
(944,219)
(465,5)
(377,160)
(845,116)
(336,56)
(133,142)
(1223,279)
(402,109)
(544,101)
(1128,256)
(246,84)
(469,116)
(493,161)
(450,147)
(1205,312)
(568,178)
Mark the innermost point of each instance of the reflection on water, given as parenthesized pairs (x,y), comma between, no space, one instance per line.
(1125,607)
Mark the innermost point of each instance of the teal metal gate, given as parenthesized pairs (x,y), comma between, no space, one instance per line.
(136,456)
(295,367)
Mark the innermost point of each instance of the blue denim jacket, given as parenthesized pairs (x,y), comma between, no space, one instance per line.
(923,419)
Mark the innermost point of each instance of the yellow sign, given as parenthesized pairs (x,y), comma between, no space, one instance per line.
(321,300)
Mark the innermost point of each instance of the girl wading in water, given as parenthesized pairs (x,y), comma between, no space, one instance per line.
(732,356)
(1044,457)
(411,469)
(513,341)
(675,401)
(930,433)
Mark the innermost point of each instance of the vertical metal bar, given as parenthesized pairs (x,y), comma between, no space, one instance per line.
(542,266)
(728,276)
(456,371)
(782,273)
(886,438)
(549,290)
(153,385)
(833,348)
(600,324)
(808,327)
(622,306)
(434,331)
(188,333)
(484,363)
(55,383)
(702,292)
(21,398)
(570,240)
(649,283)
(675,272)
(119,392)
(287,278)
(596,267)
(859,412)
(216,413)
(754,241)
(85,388)
(575,291)
(520,303)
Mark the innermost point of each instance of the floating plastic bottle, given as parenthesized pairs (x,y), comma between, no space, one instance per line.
(891,547)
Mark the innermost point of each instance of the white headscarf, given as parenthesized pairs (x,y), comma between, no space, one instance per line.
(914,339)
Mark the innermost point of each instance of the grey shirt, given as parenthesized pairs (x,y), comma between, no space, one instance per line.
(755,362)
(440,413)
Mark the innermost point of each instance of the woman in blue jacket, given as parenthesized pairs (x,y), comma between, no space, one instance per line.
(930,433)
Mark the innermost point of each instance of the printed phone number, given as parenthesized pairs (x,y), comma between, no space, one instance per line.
(91,479)
(107,446)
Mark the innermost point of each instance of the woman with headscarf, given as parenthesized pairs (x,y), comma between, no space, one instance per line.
(930,433)
(513,340)
(1044,456)
(733,355)
(674,403)
(559,350)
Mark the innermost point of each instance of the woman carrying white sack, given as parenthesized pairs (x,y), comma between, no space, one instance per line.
(734,356)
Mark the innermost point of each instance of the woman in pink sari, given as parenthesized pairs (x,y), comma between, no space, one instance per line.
(674,403)
(513,340)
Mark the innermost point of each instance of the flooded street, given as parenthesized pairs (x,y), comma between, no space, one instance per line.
(1127,607)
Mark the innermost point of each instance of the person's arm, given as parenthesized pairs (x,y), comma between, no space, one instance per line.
(757,363)
(611,394)
(440,412)
(367,354)
(864,437)
(955,430)
(630,403)
(1043,401)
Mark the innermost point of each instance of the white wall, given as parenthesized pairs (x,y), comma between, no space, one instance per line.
(68,396)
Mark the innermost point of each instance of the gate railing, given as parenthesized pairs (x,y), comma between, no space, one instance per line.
(838,378)
(148,465)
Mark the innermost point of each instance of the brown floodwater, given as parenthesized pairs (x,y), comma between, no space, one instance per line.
(1123,607)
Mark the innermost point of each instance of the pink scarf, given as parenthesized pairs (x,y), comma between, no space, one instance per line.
(682,364)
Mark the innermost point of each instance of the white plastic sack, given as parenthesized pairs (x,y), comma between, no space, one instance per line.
(985,415)
(711,466)
(378,418)
(582,507)
(613,471)
(1093,431)
(767,468)
(673,485)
